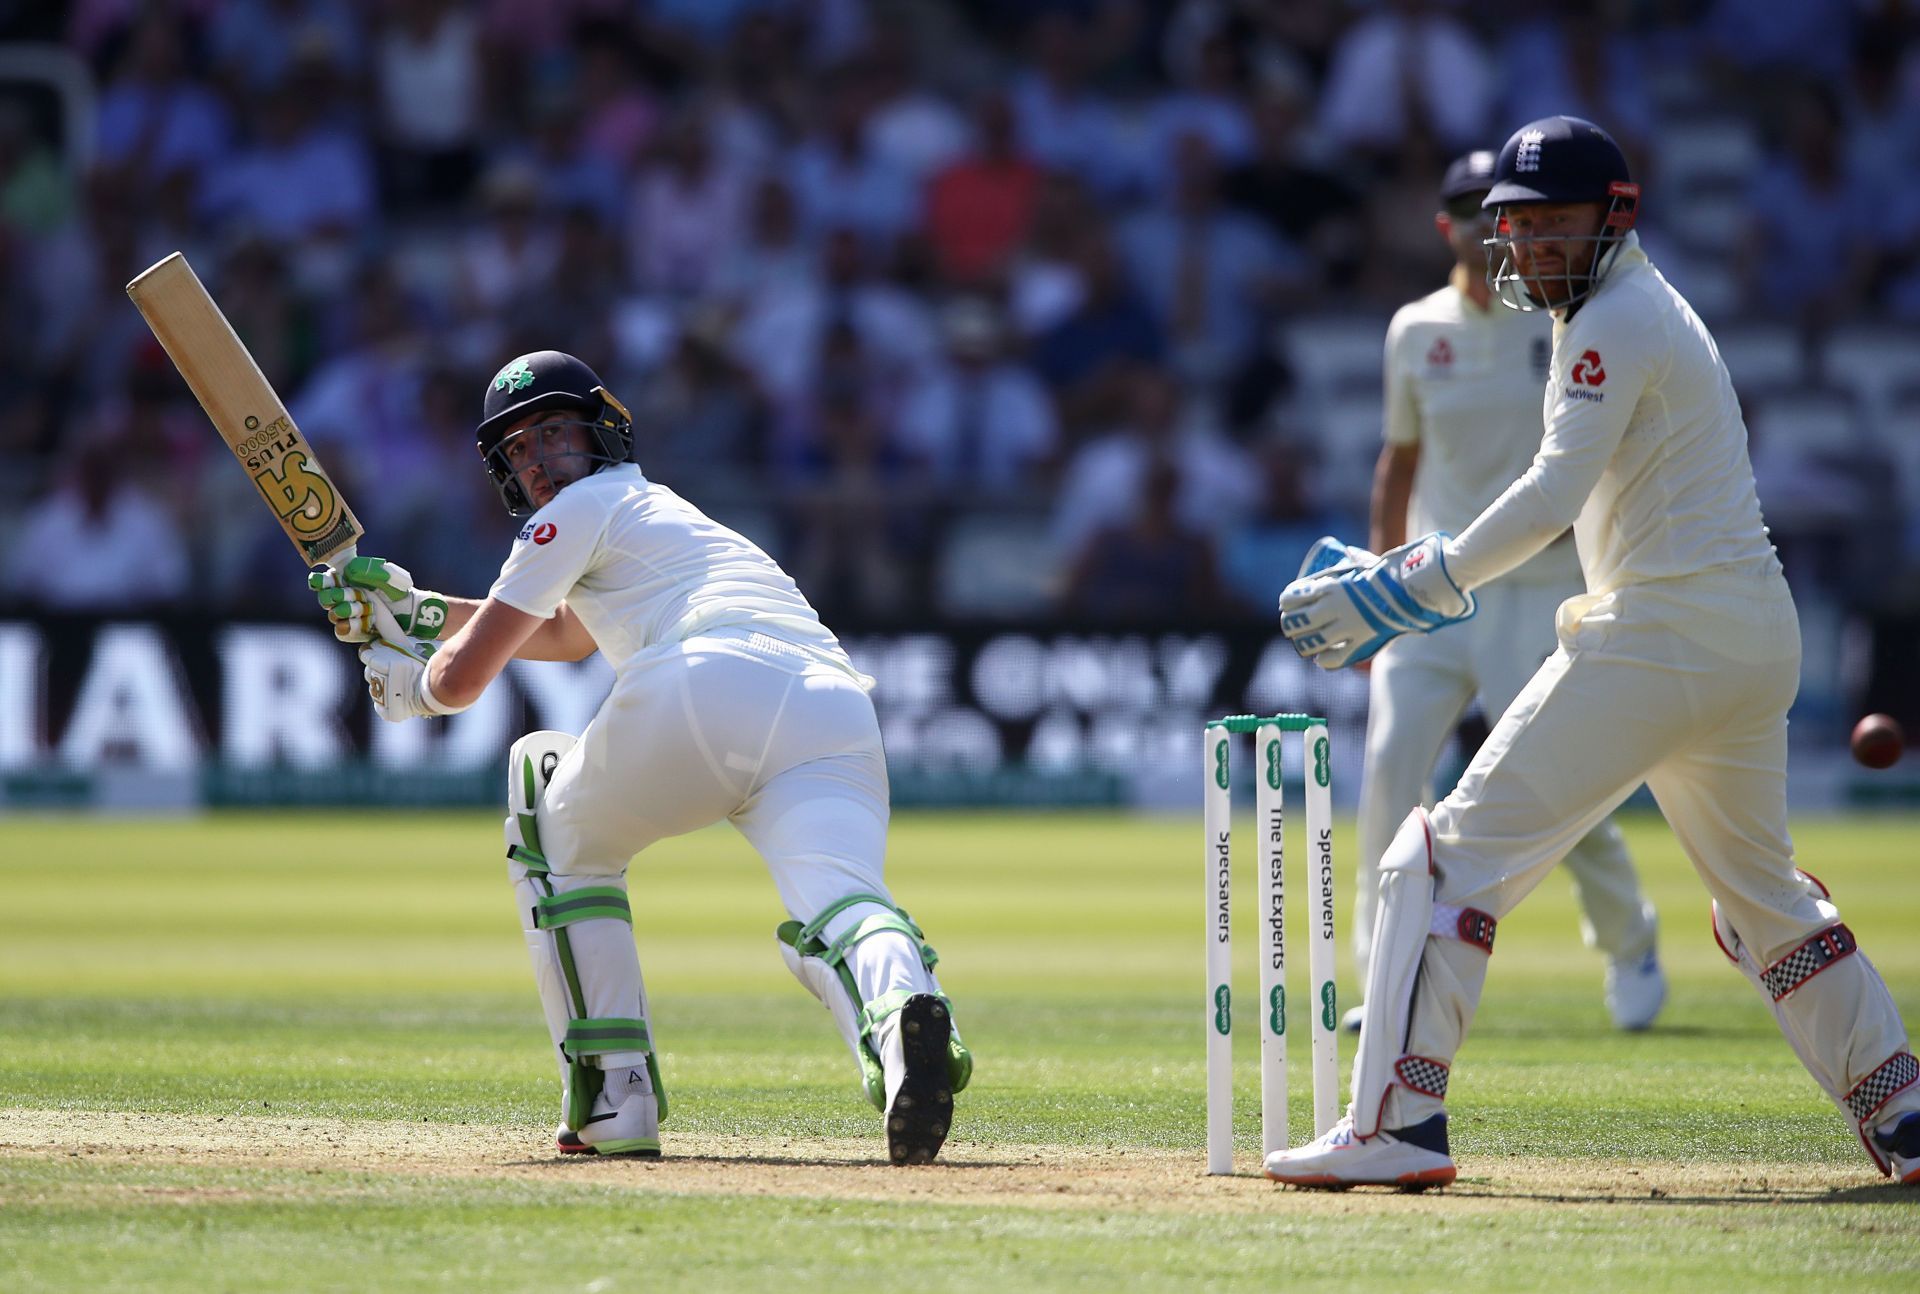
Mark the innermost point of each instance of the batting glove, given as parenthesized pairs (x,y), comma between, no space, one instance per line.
(1350,608)
(346,595)
(397,682)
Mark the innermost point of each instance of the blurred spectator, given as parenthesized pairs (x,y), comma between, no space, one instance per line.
(1883,117)
(619,114)
(1401,254)
(1802,37)
(97,543)
(979,209)
(910,128)
(1104,484)
(1580,61)
(1407,68)
(509,257)
(303,179)
(856,533)
(1261,555)
(1210,103)
(781,336)
(570,172)
(154,118)
(1109,328)
(428,77)
(252,42)
(700,423)
(1208,271)
(366,400)
(1810,225)
(1043,279)
(773,259)
(1149,565)
(979,420)
(36,198)
(839,183)
(688,212)
(1063,125)
(1308,204)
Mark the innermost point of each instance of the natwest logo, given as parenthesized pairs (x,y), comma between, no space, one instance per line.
(1588,370)
(546,530)
(1440,354)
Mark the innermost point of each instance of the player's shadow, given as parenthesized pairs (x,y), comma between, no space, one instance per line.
(577,1163)
(1655,1196)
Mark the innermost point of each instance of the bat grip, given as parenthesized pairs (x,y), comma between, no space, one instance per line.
(389,628)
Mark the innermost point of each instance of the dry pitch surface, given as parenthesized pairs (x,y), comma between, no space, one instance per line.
(1029,1176)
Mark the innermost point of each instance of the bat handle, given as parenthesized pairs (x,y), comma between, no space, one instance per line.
(389,628)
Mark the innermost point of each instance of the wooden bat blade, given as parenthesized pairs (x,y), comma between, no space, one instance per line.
(244,409)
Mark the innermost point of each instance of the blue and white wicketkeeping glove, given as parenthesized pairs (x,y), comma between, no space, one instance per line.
(1348,604)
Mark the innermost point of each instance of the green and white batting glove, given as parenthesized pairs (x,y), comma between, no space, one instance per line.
(397,682)
(346,596)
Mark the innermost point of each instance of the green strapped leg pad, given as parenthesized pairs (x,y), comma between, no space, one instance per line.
(804,944)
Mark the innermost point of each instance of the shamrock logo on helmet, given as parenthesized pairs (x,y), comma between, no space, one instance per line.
(514,377)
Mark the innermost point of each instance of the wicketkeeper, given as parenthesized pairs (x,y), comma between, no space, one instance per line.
(1462,381)
(730,701)
(1676,667)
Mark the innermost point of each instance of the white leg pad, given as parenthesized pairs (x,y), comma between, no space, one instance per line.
(1401,921)
(1834,1009)
(579,932)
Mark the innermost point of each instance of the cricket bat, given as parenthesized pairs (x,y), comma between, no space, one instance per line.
(250,417)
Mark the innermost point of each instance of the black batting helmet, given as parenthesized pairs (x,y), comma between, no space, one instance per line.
(1558,160)
(548,379)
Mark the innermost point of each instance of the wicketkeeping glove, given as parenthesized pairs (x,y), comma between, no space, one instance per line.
(346,595)
(1355,603)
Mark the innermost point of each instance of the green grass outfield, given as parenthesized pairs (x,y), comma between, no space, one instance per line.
(276,1051)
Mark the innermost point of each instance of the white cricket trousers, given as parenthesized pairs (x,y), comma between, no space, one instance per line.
(1684,684)
(1421,686)
(738,726)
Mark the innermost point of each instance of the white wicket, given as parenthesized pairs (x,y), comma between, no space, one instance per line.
(1270,822)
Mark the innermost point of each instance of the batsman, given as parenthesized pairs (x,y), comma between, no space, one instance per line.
(731,701)
(1676,667)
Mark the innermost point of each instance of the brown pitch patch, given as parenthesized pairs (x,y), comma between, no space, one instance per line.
(970,1173)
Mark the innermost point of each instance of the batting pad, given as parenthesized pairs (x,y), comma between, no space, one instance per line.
(1401,922)
(579,933)
(831,969)
(1838,1017)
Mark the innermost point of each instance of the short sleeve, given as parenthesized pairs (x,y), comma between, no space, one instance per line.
(558,545)
(1401,413)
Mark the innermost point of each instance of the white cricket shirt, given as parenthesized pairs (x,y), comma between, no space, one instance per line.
(1463,383)
(644,569)
(1645,452)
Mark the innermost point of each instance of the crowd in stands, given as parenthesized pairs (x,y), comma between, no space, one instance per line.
(1002,308)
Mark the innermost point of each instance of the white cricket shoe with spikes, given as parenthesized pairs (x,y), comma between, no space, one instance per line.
(628,1124)
(1410,1158)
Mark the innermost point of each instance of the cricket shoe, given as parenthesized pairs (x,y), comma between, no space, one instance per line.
(1636,990)
(1411,1158)
(627,1126)
(1901,1141)
(913,1055)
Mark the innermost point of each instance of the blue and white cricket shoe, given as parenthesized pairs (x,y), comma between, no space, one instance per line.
(1636,990)
(1902,1144)
(1411,1158)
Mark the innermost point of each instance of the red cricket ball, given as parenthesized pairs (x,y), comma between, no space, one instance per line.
(1878,741)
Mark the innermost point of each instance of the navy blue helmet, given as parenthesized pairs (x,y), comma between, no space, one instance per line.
(1558,160)
(548,379)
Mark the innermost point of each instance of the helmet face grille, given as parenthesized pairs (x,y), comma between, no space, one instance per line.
(1519,291)
(604,446)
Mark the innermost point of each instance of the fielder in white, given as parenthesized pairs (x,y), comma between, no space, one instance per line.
(730,701)
(1462,380)
(1675,668)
